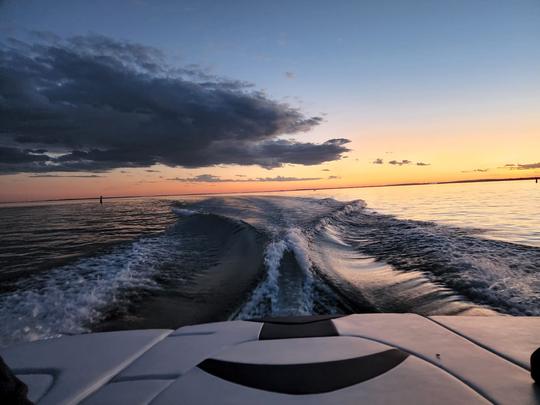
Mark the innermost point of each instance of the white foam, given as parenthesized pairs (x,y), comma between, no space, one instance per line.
(299,245)
(183,212)
(269,288)
(68,299)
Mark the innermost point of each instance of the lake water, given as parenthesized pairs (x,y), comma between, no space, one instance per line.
(469,249)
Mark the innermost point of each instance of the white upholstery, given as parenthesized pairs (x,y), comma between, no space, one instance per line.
(494,377)
(79,364)
(313,350)
(160,366)
(188,346)
(412,382)
(512,337)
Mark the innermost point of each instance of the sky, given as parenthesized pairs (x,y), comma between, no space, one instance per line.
(140,97)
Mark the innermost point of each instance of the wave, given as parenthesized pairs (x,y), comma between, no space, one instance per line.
(204,265)
(249,257)
(494,274)
(353,258)
(68,299)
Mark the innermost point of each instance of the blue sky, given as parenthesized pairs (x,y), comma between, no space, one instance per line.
(342,53)
(378,71)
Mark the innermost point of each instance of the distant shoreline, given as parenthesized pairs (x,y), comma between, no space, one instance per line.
(273,191)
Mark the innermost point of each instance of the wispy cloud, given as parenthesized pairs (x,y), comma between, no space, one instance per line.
(80,176)
(210,178)
(526,166)
(333,177)
(378,161)
(422,164)
(290,75)
(475,170)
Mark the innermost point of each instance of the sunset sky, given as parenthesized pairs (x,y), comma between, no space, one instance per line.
(146,97)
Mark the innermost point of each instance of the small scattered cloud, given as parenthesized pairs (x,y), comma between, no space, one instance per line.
(400,162)
(325,170)
(333,177)
(404,162)
(152,171)
(526,166)
(210,178)
(290,75)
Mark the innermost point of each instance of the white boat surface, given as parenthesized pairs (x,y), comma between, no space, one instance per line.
(360,358)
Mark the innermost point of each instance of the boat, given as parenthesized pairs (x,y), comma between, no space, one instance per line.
(349,359)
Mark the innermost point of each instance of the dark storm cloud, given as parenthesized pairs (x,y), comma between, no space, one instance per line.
(210,178)
(95,104)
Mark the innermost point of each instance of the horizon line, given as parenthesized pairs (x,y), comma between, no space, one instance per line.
(277,191)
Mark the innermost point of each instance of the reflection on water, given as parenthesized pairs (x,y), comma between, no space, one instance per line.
(507,211)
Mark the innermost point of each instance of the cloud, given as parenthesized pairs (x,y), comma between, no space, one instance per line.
(95,104)
(400,162)
(290,75)
(403,162)
(333,177)
(475,171)
(152,171)
(210,178)
(527,166)
(80,176)
(325,170)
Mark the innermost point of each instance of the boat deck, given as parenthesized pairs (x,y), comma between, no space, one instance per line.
(376,358)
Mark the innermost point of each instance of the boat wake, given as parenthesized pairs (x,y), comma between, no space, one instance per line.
(250,257)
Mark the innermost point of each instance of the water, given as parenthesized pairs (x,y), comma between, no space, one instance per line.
(469,249)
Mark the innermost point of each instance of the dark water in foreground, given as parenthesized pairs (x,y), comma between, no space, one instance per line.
(71,268)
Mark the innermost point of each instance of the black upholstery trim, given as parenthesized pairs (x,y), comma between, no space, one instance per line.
(321,328)
(295,319)
(308,378)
